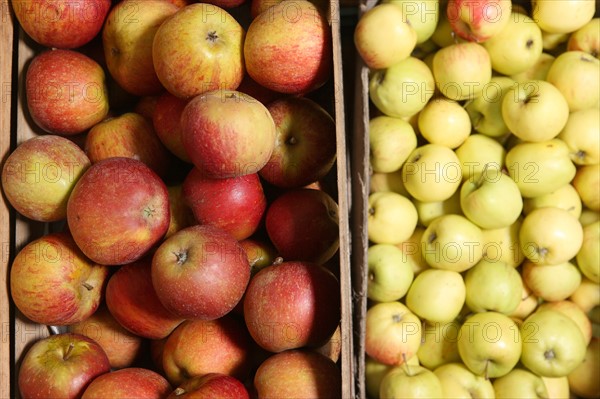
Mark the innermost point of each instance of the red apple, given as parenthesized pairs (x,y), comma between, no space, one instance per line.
(200,272)
(181,214)
(66,92)
(127,135)
(61,366)
(132,301)
(250,87)
(156,354)
(166,119)
(38,176)
(298,374)
(303,225)
(478,20)
(61,23)
(146,106)
(258,6)
(198,347)
(121,346)
(234,204)
(288,49)
(131,382)
(305,147)
(52,282)
(199,49)
(227,133)
(118,210)
(211,386)
(292,305)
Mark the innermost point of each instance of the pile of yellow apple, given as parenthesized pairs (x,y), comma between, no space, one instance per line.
(483,219)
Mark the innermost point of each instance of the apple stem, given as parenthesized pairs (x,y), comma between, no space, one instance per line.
(406,365)
(482,177)
(88,286)
(277,261)
(292,140)
(68,351)
(486,371)
(179,391)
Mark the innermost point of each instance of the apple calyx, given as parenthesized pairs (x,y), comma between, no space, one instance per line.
(292,140)
(212,36)
(149,212)
(486,373)
(181,256)
(549,355)
(68,351)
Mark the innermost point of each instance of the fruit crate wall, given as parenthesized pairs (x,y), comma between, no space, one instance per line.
(18,333)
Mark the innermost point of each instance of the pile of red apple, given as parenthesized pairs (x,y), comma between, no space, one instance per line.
(484,223)
(185,155)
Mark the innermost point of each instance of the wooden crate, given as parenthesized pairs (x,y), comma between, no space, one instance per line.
(18,333)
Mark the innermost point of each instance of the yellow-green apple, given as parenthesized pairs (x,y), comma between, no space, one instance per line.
(289,48)
(181,216)
(565,197)
(303,225)
(127,135)
(411,247)
(529,302)
(439,344)
(135,382)
(553,344)
(410,382)
(538,71)
(549,236)
(422,15)
(304,143)
(432,173)
(122,347)
(554,42)
(520,383)
(586,38)
(166,120)
(428,211)
(491,200)
(234,204)
(517,47)
(199,49)
(479,152)
(581,136)
(557,387)
(588,216)
(462,70)
(393,333)
(52,282)
(587,184)
(502,245)
(577,72)
(588,257)
(460,382)
(551,282)
(489,344)
(493,286)
(390,273)
(198,347)
(452,242)
(292,305)
(403,89)
(532,118)
(60,366)
(392,218)
(110,224)
(391,142)
(384,36)
(558,17)
(38,176)
(66,91)
(540,168)
(61,23)
(227,147)
(587,295)
(436,295)
(478,21)
(298,373)
(575,313)
(444,122)
(127,39)
(582,380)
(211,385)
(132,301)
(374,373)
(485,110)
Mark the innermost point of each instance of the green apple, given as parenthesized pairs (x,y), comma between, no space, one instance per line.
(493,286)
(529,302)
(412,249)
(558,388)
(538,71)
(391,142)
(550,236)
(588,257)
(459,382)
(392,218)
(485,110)
(432,173)
(576,74)
(581,136)
(428,211)
(462,70)
(410,382)
(554,42)
(452,242)
(403,89)
(551,282)
(584,381)
(540,168)
(390,273)
(383,36)
(422,15)
(517,47)
(586,38)
(587,295)
(553,345)
(444,122)
(443,35)
(565,197)
(391,181)
(479,152)
(489,344)
(520,384)
(502,245)
(439,344)
(562,17)
(587,184)
(575,313)
(535,110)
(436,295)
